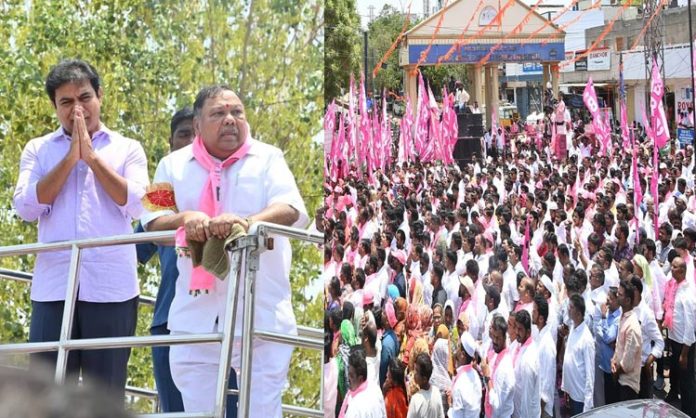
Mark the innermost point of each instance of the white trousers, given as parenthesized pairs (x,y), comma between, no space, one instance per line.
(195,369)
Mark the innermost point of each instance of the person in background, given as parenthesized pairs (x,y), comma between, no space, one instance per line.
(181,135)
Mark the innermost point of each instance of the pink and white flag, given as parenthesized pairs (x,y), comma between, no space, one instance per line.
(589,96)
(657,110)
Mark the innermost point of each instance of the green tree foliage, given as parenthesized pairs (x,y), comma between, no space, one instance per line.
(343,46)
(153,57)
(383,30)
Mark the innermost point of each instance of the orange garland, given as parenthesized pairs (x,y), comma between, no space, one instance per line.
(517,29)
(391,49)
(449,53)
(498,18)
(424,54)
(601,37)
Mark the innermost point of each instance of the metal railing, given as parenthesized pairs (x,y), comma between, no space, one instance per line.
(245,249)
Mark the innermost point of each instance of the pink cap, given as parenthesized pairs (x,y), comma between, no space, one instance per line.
(368,297)
(400,255)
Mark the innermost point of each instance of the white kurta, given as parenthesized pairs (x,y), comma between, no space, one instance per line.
(547,368)
(250,185)
(466,394)
(367,404)
(527,390)
(501,397)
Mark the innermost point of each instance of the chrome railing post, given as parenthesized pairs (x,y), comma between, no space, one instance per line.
(68,313)
(252,266)
(228,326)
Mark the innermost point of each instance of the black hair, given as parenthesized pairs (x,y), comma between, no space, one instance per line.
(357,361)
(628,288)
(206,93)
(425,365)
(181,115)
(493,293)
(523,318)
(71,71)
(578,303)
(499,324)
(542,307)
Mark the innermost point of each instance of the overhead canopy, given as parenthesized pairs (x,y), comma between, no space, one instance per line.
(514,48)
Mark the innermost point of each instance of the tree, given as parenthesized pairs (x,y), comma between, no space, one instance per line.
(382,33)
(343,46)
(153,57)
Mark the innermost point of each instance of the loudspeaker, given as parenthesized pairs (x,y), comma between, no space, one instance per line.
(468,124)
(466,149)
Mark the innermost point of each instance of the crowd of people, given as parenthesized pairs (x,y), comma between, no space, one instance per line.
(536,283)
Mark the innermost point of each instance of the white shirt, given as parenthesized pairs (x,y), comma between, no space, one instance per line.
(466,394)
(547,368)
(262,178)
(426,404)
(658,287)
(650,332)
(527,391)
(684,318)
(510,292)
(502,396)
(366,404)
(579,366)
(373,370)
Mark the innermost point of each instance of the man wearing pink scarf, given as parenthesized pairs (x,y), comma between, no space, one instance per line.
(227,178)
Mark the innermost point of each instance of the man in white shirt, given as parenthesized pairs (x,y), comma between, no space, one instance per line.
(466,385)
(579,361)
(653,343)
(526,365)
(498,373)
(547,355)
(364,399)
(680,320)
(252,183)
(427,402)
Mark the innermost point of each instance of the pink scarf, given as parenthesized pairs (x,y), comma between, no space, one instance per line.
(670,296)
(462,370)
(351,394)
(488,408)
(519,350)
(209,203)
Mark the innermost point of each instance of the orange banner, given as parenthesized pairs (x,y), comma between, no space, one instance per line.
(391,49)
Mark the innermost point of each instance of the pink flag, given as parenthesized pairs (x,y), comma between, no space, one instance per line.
(365,137)
(422,117)
(329,142)
(525,248)
(351,124)
(657,110)
(637,190)
(339,155)
(590,98)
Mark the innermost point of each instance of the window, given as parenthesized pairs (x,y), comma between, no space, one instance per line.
(619,44)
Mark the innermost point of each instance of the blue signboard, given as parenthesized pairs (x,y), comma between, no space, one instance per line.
(532,67)
(685,137)
(473,53)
